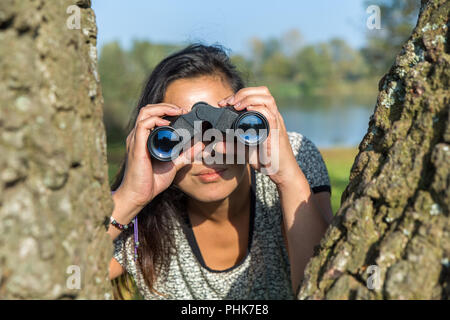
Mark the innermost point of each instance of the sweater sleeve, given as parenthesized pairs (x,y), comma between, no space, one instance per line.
(311,162)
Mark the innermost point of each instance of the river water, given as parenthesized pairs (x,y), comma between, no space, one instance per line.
(329,127)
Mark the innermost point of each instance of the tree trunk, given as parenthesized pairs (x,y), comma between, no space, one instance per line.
(54,193)
(394,218)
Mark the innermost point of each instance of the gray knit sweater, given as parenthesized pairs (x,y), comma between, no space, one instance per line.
(264,273)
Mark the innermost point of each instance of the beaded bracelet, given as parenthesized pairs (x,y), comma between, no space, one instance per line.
(126,226)
(134,223)
(119,225)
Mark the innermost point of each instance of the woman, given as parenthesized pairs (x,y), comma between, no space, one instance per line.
(221,231)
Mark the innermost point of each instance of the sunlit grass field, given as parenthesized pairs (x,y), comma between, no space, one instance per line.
(339,161)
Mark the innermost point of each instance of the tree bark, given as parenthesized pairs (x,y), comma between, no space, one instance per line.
(54,194)
(395,211)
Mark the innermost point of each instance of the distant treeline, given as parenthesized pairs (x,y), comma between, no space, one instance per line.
(293,70)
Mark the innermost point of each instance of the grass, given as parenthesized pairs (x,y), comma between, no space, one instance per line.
(339,161)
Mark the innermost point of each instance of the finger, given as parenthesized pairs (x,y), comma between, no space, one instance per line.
(231,149)
(152,105)
(158,110)
(222,102)
(281,122)
(221,147)
(266,112)
(129,139)
(265,100)
(188,156)
(142,131)
(253,158)
(231,100)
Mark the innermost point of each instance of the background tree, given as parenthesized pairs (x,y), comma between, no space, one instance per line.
(54,193)
(291,69)
(291,42)
(395,212)
(397,20)
(314,69)
(122,73)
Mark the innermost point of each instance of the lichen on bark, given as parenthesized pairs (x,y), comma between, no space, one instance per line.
(54,193)
(395,211)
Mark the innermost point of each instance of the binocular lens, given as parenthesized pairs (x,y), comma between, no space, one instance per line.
(251,124)
(163,143)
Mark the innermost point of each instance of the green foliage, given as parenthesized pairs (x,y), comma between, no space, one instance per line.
(314,69)
(294,71)
(290,70)
(397,21)
(278,66)
(122,74)
(319,70)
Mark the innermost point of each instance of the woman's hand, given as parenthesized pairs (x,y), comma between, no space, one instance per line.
(144,177)
(303,224)
(259,99)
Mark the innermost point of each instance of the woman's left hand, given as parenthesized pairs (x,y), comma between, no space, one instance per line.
(284,166)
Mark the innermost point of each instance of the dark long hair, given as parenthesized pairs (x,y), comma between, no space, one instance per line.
(156,240)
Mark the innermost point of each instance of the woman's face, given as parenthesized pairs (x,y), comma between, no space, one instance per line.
(204,182)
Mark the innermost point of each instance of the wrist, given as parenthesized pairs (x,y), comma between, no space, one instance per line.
(124,208)
(287,174)
(119,225)
(292,178)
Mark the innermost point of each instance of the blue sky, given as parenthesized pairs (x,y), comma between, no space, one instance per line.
(231,23)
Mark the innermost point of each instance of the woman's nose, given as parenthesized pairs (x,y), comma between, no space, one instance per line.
(220,147)
(214,151)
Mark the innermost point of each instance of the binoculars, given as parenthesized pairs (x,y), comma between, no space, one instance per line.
(166,142)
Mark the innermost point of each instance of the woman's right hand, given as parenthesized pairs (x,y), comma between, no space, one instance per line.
(144,177)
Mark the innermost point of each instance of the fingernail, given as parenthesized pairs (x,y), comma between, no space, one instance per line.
(231,100)
(221,101)
(237,105)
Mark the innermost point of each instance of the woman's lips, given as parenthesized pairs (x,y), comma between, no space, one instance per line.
(210,175)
